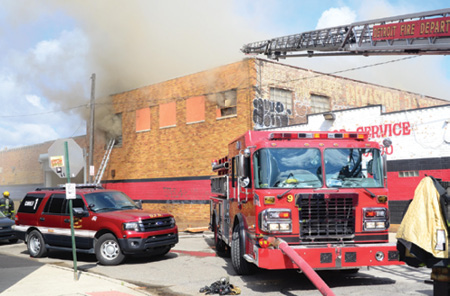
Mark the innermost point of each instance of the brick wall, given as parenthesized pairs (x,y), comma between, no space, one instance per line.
(343,93)
(20,166)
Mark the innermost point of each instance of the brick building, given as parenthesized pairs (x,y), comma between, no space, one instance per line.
(171,131)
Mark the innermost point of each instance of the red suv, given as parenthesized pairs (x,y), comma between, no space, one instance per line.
(107,223)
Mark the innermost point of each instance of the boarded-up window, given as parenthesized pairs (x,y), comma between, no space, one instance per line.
(143,119)
(167,115)
(282,96)
(226,103)
(319,104)
(195,109)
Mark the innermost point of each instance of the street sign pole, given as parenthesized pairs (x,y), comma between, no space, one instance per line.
(74,252)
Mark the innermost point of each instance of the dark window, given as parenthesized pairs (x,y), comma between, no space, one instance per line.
(233,172)
(76,203)
(226,103)
(55,204)
(30,203)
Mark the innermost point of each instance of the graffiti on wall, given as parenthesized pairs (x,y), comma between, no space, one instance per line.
(301,109)
(267,114)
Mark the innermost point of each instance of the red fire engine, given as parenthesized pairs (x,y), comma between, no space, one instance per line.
(323,193)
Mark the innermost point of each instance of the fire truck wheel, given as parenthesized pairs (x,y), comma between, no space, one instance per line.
(221,247)
(107,250)
(240,265)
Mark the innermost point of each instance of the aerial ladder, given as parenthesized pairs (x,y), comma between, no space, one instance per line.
(425,33)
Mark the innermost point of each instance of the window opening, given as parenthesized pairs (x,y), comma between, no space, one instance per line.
(226,103)
(319,104)
(282,96)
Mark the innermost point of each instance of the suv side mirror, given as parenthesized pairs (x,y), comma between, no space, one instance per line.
(138,203)
(80,212)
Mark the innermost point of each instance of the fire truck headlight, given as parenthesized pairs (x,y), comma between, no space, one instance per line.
(275,220)
(375,219)
(274,227)
(285,227)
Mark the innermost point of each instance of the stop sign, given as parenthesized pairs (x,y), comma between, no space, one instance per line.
(56,156)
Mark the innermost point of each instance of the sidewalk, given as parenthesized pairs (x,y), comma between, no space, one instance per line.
(52,280)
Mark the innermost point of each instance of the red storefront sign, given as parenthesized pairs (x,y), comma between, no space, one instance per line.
(436,27)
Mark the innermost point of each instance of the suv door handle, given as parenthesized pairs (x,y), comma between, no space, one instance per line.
(42,219)
(67,220)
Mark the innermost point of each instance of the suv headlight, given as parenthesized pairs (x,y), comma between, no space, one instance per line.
(375,219)
(275,220)
(134,226)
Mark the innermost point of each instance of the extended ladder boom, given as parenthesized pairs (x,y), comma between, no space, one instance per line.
(425,33)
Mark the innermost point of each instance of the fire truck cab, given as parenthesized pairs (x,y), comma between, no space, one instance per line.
(324,193)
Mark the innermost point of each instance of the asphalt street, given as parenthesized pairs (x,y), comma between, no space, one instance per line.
(193,264)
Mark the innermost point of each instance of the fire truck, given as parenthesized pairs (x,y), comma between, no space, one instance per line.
(267,182)
(323,193)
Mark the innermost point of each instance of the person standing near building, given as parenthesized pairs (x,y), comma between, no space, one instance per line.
(7,205)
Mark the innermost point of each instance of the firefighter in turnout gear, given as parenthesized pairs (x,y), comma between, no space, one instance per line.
(7,205)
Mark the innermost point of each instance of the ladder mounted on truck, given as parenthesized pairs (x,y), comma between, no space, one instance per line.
(425,33)
(104,162)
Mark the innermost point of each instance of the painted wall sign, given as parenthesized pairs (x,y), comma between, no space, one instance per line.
(386,130)
(417,133)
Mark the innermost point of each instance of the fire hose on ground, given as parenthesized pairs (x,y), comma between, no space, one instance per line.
(302,264)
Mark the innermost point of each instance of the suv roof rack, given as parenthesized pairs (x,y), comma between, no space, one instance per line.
(78,186)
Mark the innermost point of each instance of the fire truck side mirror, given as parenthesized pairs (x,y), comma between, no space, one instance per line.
(385,166)
(243,170)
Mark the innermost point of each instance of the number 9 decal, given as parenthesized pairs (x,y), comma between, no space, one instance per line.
(290,198)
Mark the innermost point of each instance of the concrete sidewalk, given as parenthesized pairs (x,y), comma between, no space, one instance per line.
(52,280)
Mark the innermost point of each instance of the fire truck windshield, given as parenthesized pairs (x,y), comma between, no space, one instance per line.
(353,167)
(287,168)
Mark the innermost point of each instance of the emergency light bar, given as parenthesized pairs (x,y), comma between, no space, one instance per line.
(318,135)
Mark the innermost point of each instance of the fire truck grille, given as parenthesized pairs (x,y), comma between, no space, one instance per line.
(326,217)
(157,223)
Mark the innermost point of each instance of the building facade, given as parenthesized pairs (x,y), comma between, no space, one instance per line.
(172,131)
(169,132)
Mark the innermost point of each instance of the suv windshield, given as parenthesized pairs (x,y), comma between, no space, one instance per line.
(106,201)
(353,167)
(287,168)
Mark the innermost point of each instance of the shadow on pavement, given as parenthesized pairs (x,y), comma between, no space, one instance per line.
(13,269)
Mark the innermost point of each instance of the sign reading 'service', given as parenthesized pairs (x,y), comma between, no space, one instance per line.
(436,27)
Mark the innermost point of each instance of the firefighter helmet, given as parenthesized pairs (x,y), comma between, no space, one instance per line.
(6,193)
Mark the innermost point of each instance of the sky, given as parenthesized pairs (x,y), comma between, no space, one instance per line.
(50,49)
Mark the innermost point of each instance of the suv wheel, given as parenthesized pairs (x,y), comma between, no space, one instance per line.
(36,244)
(107,250)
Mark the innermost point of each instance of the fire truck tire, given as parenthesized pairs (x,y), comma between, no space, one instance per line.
(221,247)
(240,265)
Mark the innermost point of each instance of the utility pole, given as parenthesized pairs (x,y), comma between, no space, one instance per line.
(91,127)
